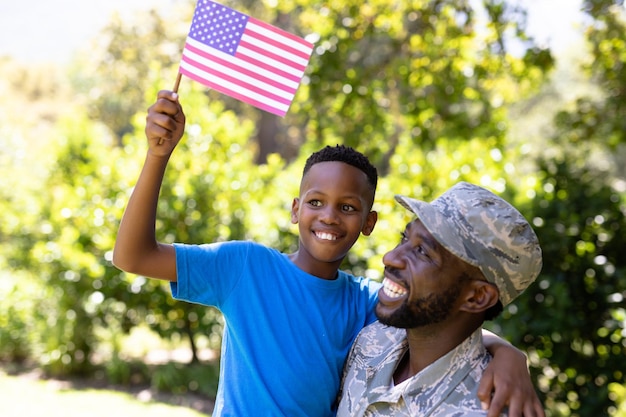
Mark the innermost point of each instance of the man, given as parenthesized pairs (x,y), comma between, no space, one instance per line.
(468,254)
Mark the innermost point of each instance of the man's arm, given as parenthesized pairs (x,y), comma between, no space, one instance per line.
(506,381)
(136,249)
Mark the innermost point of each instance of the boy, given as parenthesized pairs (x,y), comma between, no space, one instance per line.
(290,319)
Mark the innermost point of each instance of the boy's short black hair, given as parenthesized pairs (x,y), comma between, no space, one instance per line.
(348,155)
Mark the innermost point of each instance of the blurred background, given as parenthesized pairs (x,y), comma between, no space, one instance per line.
(527,98)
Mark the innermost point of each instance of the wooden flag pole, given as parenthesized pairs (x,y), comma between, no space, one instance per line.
(176,85)
(177,82)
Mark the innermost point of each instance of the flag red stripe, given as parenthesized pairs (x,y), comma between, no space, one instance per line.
(247,70)
(278,44)
(281,32)
(234,94)
(266,66)
(235,80)
(265,52)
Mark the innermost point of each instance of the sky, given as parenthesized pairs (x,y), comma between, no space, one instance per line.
(556,22)
(39,31)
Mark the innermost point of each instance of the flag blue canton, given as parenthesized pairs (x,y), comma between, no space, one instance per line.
(219,27)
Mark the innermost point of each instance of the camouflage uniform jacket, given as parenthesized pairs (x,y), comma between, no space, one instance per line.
(446,388)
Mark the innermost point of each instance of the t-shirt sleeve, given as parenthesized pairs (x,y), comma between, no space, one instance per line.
(206,274)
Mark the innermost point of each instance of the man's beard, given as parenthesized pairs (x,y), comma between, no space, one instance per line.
(431,309)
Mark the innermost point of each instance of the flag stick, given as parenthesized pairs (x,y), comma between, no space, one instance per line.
(177,82)
(176,85)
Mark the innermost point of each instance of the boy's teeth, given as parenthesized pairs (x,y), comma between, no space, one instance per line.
(393,290)
(326,236)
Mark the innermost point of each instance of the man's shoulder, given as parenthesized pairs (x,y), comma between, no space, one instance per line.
(378,329)
(377,337)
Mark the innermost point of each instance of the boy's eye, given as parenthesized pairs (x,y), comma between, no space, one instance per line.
(315,203)
(348,207)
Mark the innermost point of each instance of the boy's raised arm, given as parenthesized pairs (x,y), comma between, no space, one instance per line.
(136,249)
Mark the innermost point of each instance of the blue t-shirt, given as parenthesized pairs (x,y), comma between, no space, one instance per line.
(287,333)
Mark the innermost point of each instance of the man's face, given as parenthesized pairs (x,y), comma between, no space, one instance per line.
(332,211)
(422,281)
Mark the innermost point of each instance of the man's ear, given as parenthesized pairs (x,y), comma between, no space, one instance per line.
(295,207)
(480,296)
(370,222)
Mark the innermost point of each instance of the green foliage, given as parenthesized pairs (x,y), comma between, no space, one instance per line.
(125,373)
(118,67)
(415,85)
(618,394)
(577,353)
(72,244)
(183,378)
(572,321)
(589,181)
(417,71)
(16,321)
(602,119)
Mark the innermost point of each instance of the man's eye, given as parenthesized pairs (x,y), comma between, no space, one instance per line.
(403,237)
(422,251)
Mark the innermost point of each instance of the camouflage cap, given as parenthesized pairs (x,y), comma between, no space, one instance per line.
(485,231)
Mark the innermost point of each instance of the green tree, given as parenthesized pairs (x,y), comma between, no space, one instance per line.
(578,351)
(115,73)
(418,71)
(377,72)
(579,211)
(26,121)
(600,120)
(78,207)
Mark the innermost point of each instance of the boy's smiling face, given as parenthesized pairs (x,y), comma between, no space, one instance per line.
(333,209)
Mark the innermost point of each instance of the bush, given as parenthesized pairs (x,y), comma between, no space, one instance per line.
(20,297)
(181,378)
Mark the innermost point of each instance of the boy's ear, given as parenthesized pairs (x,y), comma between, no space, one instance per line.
(295,206)
(370,222)
(480,296)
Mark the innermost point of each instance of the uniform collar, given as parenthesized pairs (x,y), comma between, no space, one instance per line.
(453,367)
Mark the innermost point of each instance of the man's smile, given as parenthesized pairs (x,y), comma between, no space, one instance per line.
(393,290)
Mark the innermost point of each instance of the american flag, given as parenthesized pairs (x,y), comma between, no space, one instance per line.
(244,58)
